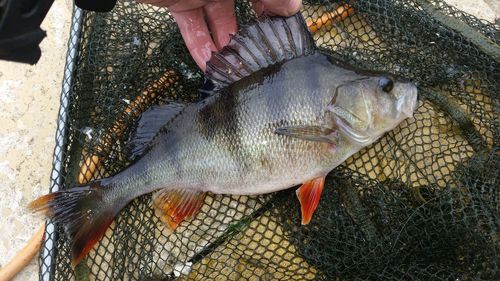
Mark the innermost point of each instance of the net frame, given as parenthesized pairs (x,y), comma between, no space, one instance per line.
(48,250)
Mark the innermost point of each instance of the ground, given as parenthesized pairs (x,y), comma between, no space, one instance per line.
(29,102)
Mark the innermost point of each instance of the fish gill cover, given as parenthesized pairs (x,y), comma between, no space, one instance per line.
(419,204)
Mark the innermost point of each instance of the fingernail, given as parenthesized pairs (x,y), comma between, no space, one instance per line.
(203,54)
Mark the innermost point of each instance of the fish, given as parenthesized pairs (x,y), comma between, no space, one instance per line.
(277,113)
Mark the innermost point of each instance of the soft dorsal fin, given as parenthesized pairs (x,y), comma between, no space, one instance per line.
(149,124)
(268,41)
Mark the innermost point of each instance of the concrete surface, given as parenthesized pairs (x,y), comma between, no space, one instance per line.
(29,102)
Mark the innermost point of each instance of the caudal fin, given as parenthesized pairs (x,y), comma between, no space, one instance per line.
(82,211)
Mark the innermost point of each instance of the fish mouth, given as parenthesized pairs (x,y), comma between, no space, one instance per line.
(409,103)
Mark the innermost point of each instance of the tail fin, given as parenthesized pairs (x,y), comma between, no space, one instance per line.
(82,211)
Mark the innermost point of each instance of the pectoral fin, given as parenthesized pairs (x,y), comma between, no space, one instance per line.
(311,133)
(175,205)
(309,194)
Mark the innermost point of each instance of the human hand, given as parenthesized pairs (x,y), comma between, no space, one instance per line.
(196,17)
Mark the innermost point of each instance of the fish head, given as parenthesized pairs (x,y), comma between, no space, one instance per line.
(367,107)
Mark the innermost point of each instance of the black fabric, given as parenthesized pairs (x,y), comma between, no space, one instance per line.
(96,5)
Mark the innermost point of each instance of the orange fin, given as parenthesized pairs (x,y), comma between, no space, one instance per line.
(309,194)
(175,205)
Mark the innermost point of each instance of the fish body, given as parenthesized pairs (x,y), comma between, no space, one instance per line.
(227,143)
(285,124)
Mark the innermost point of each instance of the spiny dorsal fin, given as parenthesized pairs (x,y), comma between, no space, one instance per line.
(268,41)
(149,124)
(175,205)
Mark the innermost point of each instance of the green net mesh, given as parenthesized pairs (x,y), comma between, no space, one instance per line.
(419,204)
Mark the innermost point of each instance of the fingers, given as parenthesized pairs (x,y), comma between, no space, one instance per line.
(258,7)
(176,5)
(189,15)
(195,33)
(277,7)
(221,20)
(184,5)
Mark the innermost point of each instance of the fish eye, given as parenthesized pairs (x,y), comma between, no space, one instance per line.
(386,84)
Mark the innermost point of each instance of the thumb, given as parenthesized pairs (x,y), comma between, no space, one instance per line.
(284,8)
(194,31)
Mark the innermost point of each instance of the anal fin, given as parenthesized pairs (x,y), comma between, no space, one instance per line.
(309,194)
(176,205)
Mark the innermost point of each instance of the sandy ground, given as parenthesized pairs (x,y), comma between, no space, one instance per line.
(29,102)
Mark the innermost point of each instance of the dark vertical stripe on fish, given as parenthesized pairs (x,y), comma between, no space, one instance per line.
(218,121)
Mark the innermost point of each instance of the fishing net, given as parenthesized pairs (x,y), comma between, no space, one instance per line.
(419,204)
